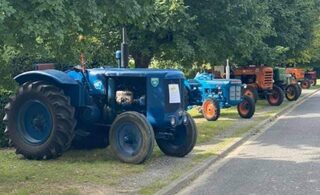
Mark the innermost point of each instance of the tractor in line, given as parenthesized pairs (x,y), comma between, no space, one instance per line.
(210,95)
(287,83)
(299,75)
(128,109)
(259,80)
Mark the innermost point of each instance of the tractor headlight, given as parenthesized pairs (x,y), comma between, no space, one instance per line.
(173,121)
(245,86)
(219,91)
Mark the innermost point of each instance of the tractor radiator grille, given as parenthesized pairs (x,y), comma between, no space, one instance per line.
(235,93)
(268,78)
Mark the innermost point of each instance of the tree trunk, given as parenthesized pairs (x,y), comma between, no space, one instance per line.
(141,61)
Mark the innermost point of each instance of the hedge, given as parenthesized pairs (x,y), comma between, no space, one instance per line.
(4,98)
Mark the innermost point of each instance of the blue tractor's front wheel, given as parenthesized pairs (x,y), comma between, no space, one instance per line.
(40,121)
(131,137)
(183,140)
(211,109)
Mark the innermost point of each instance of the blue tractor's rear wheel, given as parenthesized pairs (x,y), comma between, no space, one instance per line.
(131,137)
(183,141)
(251,92)
(40,121)
(247,107)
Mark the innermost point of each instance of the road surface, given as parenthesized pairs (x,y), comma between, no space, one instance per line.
(285,159)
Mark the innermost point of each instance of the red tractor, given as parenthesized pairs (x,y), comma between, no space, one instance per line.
(259,80)
(312,77)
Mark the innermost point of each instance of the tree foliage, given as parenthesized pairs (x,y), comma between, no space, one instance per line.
(293,23)
(183,32)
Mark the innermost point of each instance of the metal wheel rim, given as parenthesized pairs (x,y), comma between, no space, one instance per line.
(35,122)
(129,139)
(244,107)
(209,109)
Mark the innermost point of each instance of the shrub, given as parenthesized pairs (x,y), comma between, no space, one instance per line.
(4,98)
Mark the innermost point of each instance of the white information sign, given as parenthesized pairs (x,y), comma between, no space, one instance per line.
(174,94)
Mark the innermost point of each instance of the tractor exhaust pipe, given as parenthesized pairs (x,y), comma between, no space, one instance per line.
(227,70)
(124,50)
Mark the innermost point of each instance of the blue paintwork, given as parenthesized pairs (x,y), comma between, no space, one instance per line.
(118,55)
(156,112)
(73,88)
(84,87)
(46,75)
(129,139)
(96,80)
(36,122)
(204,86)
(138,72)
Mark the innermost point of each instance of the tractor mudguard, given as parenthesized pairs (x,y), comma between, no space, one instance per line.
(71,87)
(54,76)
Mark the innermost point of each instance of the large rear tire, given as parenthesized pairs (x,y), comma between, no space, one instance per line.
(247,107)
(211,109)
(185,138)
(292,92)
(276,97)
(131,138)
(252,93)
(40,121)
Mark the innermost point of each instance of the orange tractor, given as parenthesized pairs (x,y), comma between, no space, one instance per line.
(299,75)
(259,80)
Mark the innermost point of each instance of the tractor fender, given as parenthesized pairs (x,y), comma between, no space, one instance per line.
(54,76)
(71,87)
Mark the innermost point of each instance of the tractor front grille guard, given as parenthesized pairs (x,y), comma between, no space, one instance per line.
(268,79)
(235,93)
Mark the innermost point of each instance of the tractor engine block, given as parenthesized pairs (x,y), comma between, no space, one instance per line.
(124,97)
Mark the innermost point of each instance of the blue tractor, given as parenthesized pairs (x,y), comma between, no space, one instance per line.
(125,108)
(212,94)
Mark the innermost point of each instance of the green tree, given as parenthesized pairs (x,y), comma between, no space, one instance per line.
(164,33)
(293,24)
(230,29)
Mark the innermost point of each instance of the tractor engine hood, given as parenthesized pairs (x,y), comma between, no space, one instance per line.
(139,72)
(224,82)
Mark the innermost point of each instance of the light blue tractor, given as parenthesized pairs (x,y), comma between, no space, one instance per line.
(210,95)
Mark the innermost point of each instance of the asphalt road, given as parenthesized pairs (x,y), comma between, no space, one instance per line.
(285,159)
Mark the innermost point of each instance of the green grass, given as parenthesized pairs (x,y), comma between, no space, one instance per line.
(317,86)
(209,129)
(61,176)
